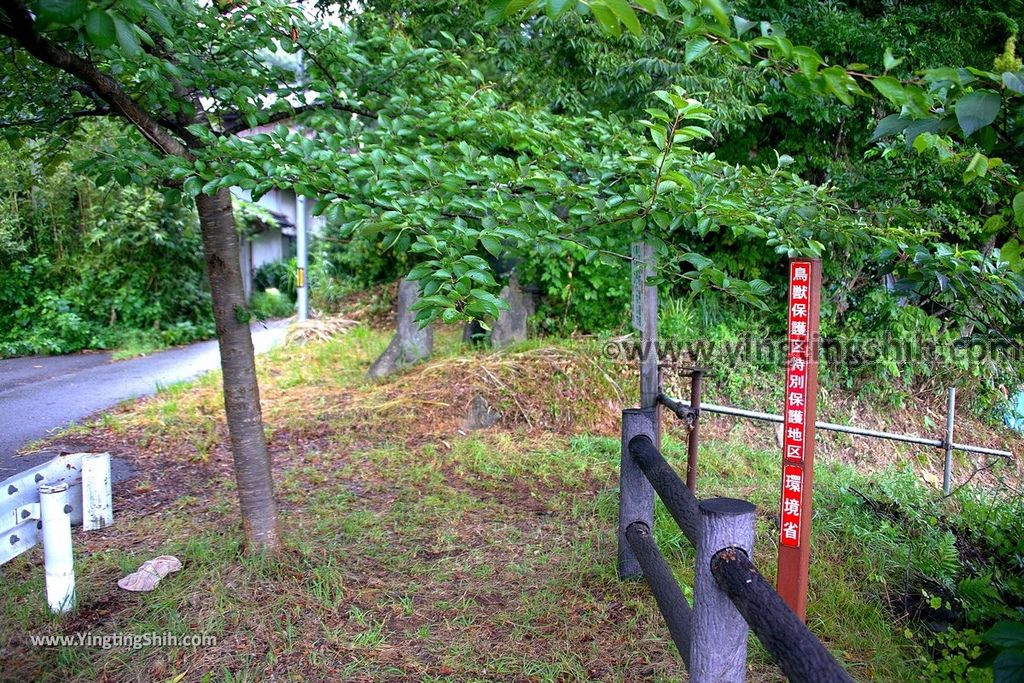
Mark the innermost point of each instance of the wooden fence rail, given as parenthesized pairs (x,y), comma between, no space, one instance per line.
(730,595)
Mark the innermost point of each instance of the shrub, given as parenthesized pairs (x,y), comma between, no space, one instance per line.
(271,304)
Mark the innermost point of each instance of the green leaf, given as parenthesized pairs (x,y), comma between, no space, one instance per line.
(606,19)
(742,25)
(495,11)
(100,28)
(839,83)
(889,62)
(977,168)
(717,9)
(890,125)
(126,37)
(658,136)
(976,110)
(626,15)
(557,7)
(192,186)
(1018,209)
(502,9)
(1008,667)
(808,60)
(492,245)
(891,89)
(157,17)
(699,261)
(918,127)
(696,48)
(59,11)
(1014,81)
(1006,634)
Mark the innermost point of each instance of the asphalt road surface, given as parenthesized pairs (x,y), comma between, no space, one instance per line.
(42,394)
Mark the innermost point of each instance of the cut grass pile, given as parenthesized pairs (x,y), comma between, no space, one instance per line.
(419,549)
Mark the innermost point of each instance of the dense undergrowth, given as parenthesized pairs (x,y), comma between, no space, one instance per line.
(421,549)
(90,267)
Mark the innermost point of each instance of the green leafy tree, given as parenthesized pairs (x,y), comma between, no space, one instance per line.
(940,109)
(174,74)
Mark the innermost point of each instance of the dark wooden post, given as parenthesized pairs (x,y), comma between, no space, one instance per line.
(636,495)
(718,647)
(645,320)
(671,601)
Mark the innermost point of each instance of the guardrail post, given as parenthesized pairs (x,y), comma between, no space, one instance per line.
(718,648)
(58,561)
(636,495)
(97,502)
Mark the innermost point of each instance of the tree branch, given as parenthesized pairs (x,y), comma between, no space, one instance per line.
(297,111)
(21,29)
(99,111)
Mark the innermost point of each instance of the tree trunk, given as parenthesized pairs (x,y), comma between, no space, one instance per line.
(241,390)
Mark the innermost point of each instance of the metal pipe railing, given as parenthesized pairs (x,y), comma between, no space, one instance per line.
(675,407)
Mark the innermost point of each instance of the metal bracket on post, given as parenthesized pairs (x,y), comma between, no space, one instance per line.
(693,440)
(718,649)
(97,501)
(636,495)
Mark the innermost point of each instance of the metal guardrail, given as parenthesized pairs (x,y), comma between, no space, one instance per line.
(730,595)
(682,410)
(42,503)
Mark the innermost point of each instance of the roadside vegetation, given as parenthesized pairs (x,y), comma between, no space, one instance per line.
(85,266)
(420,548)
(452,143)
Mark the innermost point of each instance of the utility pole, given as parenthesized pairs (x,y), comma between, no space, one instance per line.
(301,257)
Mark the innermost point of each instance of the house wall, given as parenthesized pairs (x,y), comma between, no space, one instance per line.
(266,248)
(271,245)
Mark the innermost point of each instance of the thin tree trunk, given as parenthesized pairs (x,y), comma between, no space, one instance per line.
(220,244)
(241,390)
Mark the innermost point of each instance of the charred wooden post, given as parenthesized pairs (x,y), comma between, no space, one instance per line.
(719,648)
(680,502)
(636,497)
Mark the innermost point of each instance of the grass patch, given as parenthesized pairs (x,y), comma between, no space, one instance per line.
(419,549)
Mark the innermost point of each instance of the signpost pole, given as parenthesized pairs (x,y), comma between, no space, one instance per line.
(804,301)
(645,320)
(301,258)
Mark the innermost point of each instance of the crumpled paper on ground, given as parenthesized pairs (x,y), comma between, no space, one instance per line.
(149,574)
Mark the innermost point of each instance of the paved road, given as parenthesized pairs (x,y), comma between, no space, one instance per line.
(41,394)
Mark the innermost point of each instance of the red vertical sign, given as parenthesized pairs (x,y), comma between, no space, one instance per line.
(798,418)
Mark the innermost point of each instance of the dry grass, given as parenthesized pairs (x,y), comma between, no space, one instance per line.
(318,330)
